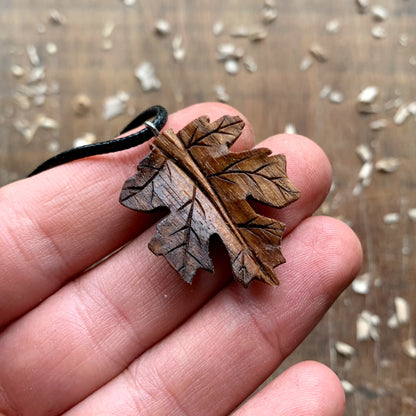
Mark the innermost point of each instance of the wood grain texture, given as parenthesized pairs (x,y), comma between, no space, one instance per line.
(276,95)
(205,187)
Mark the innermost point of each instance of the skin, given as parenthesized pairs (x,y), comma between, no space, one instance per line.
(129,337)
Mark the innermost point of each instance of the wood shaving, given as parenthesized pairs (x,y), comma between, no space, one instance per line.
(379,124)
(115,105)
(35,75)
(411,108)
(17,71)
(333,26)
(361,284)
(32,54)
(231,66)
(179,52)
(257,34)
(344,349)
(387,165)
(318,52)
(391,218)
(290,129)
(325,91)
(305,64)
(362,5)
(86,138)
(145,73)
(250,64)
(336,97)
(366,326)
(81,105)
(56,17)
(378,32)
(239,32)
(365,174)
(401,115)
(412,214)
(347,386)
(269,14)
(368,95)
(404,40)
(402,309)
(379,13)
(51,48)
(222,95)
(364,153)
(409,348)
(218,28)
(162,27)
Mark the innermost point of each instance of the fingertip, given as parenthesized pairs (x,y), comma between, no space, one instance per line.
(214,110)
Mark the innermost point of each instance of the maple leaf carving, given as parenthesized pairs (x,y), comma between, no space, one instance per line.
(206,188)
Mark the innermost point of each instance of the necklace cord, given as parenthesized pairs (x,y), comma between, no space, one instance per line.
(115,145)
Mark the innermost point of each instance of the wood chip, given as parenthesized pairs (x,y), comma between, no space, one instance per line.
(129,3)
(368,95)
(325,91)
(51,48)
(365,173)
(32,54)
(402,310)
(318,52)
(107,44)
(347,386)
(333,26)
(336,97)
(56,17)
(412,214)
(35,75)
(250,64)
(225,51)
(257,34)
(391,218)
(392,322)
(379,124)
(361,284)
(401,115)
(411,108)
(218,28)
(404,40)
(231,66)
(179,52)
(379,13)
(306,63)
(108,29)
(364,153)
(46,122)
(162,27)
(290,129)
(145,73)
(239,32)
(81,105)
(222,95)
(86,138)
(362,5)
(387,164)
(368,108)
(344,349)
(269,14)
(115,105)
(17,71)
(366,326)
(378,32)
(409,348)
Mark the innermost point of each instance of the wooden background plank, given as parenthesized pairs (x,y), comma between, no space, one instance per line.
(277,94)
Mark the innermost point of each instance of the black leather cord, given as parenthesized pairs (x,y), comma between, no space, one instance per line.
(111,146)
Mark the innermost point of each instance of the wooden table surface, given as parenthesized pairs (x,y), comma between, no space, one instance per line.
(277,94)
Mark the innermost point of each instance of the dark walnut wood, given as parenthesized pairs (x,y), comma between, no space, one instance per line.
(206,187)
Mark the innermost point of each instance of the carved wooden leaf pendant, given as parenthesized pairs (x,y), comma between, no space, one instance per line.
(206,188)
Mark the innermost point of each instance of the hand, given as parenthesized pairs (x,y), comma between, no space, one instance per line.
(129,336)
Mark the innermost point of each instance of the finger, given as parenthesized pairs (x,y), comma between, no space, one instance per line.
(90,330)
(221,354)
(308,388)
(56,224)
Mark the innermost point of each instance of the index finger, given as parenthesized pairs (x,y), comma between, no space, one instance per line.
(56,224)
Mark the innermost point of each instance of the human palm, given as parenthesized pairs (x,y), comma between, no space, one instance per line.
(129,336)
